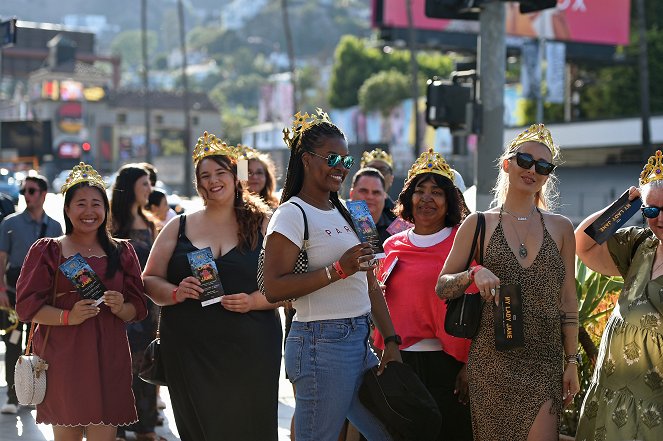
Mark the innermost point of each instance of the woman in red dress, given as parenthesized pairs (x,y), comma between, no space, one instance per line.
(89,373)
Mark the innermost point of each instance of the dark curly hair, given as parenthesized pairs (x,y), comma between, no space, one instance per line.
(457,211)
(250,209)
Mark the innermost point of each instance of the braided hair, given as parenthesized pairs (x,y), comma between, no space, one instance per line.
(303,142)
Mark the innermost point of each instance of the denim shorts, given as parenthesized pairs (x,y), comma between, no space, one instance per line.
(326,361)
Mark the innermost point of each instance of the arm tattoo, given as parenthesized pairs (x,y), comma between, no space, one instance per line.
(450,286)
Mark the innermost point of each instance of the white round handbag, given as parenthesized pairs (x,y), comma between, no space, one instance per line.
(30,379)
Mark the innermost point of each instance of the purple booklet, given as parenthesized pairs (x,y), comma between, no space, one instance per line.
(82,276)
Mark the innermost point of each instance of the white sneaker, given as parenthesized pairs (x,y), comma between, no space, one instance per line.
(160,403)
(9,408)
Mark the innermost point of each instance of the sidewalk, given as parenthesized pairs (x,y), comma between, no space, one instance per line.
(22,427)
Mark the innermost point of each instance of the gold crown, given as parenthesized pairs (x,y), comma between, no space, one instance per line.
(210,145)
(376,155)
(431,162)
(83,173)
(535,133)
(302,122)
(653,170)
(247,152)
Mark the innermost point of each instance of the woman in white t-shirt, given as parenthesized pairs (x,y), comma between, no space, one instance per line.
(326,351)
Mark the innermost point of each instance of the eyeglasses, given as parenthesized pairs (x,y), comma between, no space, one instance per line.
(29,191)
(257,173)
(525,161)
(333,159)
(651,212)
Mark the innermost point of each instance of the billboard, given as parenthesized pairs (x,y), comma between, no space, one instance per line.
(604,22)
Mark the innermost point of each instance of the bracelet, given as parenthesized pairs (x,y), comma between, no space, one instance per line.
(337,266)
(328,274)
(65,317)
(61,312)
(473,270)
(573,359)
(174,295)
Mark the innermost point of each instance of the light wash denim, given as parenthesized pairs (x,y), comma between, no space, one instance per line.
(326,360)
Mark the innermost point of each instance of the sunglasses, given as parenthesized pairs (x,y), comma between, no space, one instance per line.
(333,159)
(29,191)
(525,161)
(651,212)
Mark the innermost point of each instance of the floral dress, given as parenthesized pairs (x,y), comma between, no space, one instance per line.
(625,396)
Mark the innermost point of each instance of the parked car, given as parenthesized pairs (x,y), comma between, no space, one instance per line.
(9,185)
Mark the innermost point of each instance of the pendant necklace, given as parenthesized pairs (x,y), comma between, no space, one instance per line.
(519,218)
(522,250)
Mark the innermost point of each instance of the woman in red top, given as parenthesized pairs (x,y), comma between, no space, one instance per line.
(432,202)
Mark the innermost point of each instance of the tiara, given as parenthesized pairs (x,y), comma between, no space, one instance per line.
(535,133)
(83,173)
(247,152)
(377,155)
(653,170)
(301,123)
(431,162)
(210,145)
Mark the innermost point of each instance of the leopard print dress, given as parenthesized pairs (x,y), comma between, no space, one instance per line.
(507,389)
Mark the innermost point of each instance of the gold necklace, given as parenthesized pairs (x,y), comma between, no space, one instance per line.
(519,218)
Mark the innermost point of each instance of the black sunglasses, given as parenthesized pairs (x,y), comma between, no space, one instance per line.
(29,191)
(651,212)
(525,161)
(333,159)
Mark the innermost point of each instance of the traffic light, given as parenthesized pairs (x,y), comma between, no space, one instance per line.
(8,32)
(86,147)
(447,104)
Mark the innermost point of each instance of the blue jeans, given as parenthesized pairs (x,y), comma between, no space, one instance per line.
(326,361)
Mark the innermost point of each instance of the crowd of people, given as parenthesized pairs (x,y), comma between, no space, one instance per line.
(346,311)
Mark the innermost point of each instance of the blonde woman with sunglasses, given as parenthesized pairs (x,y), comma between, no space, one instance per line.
(519,394)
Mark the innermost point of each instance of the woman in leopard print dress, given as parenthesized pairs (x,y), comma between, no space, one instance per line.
(518,394)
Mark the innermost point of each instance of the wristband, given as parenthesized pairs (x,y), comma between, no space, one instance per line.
(175,295)
(65,317)
(337,266)
(329,279)
(473,270)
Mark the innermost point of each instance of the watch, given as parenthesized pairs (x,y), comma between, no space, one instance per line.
(395,338)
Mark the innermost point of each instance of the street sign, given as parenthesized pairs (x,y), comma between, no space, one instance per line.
(8,33)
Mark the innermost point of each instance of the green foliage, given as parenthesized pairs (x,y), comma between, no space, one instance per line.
(551,112)
(128,45)
(383,91)
(591,289)
(234,120)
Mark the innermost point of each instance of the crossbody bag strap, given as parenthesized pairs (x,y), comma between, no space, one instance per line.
(480,229)
(55,289)
(305,224)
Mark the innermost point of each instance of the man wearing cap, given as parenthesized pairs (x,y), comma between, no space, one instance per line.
(18,232)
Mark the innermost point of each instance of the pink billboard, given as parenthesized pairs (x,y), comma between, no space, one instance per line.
(582,21)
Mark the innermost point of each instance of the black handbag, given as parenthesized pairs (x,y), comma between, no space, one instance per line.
(301,264)
(151,367)
(464,313)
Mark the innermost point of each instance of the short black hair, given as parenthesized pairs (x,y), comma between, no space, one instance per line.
(39,180)
(367,171)
(457,211)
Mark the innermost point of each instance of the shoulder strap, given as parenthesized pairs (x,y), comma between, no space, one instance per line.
(647,234)
(480,230)
(305,220)
(180,233)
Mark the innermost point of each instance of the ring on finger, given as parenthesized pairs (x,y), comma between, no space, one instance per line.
(492,292)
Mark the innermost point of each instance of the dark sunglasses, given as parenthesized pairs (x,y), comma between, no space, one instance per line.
(525,161)
(651,212)
(29,191)
(333,159)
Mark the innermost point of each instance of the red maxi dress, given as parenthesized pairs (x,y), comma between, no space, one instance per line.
(89,365)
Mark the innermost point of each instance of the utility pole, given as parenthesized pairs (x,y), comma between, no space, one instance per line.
(188,163)
(414,72)
(291,52)
(146,81)
(492,60)
(645,110)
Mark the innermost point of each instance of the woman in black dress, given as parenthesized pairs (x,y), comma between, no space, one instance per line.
(222,361)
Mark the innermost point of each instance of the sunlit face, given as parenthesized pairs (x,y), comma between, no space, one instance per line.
(527,179)
(215,182)
(86,210)
(429,204)
(370,189)
(34,197)
(325,177)
(257,176)
(142,190)
(160,210)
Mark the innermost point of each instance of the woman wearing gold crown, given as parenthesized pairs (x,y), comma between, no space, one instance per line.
(625,396)
(222,361)
(518,394)
(326,351)
(431,201)
(89,373)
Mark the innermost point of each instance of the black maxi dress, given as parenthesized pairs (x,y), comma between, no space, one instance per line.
(222,367)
